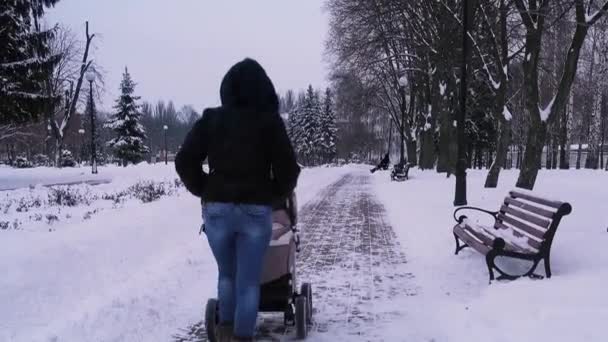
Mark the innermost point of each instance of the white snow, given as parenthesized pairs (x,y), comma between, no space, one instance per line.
(11,178)
(133,273)
(507,113)
(455,301)
(589,17)
(528,57)
(442,87)
(544,113)
(140,272)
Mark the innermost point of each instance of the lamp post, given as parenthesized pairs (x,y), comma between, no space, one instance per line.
(460,196)
(402,86)
(90,76)
(81,134)
(166,128)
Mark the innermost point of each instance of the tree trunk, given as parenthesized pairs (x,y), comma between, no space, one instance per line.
(445,140)
(579,154)
(427,151)
(411,153)
(532,157)
(554,151)
(470,156)
(479,158)
(501,154)
(548,165)
(564,155)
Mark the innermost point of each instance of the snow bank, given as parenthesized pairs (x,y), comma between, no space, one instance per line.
(455,302)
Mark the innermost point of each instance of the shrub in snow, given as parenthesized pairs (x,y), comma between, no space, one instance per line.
(51,218)
(67,159)
(148,191)
(4,225)
(117,197)
(69,197)
(22,163)
(26,203)
(41,160)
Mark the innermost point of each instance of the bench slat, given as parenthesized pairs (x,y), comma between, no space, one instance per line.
(487,240)
(525,216)
(533,209)
(533,243)
(518,224)
(476,245)
(543,201)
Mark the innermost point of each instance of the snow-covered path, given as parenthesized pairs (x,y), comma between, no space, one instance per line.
(355,264)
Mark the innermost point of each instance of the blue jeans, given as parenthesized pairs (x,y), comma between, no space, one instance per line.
(239,236)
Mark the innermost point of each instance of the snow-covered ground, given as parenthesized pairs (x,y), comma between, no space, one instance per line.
(11,178)
(140,272)
(455,302)
(132,272)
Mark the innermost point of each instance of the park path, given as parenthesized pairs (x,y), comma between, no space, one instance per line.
(354,262)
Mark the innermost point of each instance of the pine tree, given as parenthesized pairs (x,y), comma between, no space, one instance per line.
(294,129)
(328,127)
(25,60)
(309,121)
(130,134)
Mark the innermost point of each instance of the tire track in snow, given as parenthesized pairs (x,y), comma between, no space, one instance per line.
(354,262)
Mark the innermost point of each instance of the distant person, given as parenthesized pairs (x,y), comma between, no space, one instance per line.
(383,164)
(251,163)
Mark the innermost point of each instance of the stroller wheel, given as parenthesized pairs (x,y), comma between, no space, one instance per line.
(211,318)
(306,292)
(301,317)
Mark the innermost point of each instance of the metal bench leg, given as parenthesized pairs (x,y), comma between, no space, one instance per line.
(458,246)
(490,262)
(547,266)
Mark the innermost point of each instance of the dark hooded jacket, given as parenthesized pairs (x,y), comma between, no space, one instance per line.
(251,160)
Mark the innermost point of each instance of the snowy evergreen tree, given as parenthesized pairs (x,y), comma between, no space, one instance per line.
(294,130)
(309,122)
(128,145)
(25,60)
(328,127)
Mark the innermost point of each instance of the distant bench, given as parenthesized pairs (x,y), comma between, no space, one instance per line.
(524,228)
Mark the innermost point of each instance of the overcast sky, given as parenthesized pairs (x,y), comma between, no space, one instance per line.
(179,50)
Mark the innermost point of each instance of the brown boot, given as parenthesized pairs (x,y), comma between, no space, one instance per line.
(223,333)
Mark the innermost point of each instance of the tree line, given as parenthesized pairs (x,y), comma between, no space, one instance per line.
(536,75)
(45,101)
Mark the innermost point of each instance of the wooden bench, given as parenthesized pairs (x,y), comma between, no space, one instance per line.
(524,228)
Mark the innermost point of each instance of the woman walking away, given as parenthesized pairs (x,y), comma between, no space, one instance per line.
(251,162)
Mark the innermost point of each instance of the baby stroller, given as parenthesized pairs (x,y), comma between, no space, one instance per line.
(278,291)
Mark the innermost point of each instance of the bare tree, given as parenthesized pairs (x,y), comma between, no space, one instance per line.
(59,115)
(534,15)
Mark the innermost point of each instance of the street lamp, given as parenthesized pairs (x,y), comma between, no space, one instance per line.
(402,86)
(166,128)
(90,76)
(81,134)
